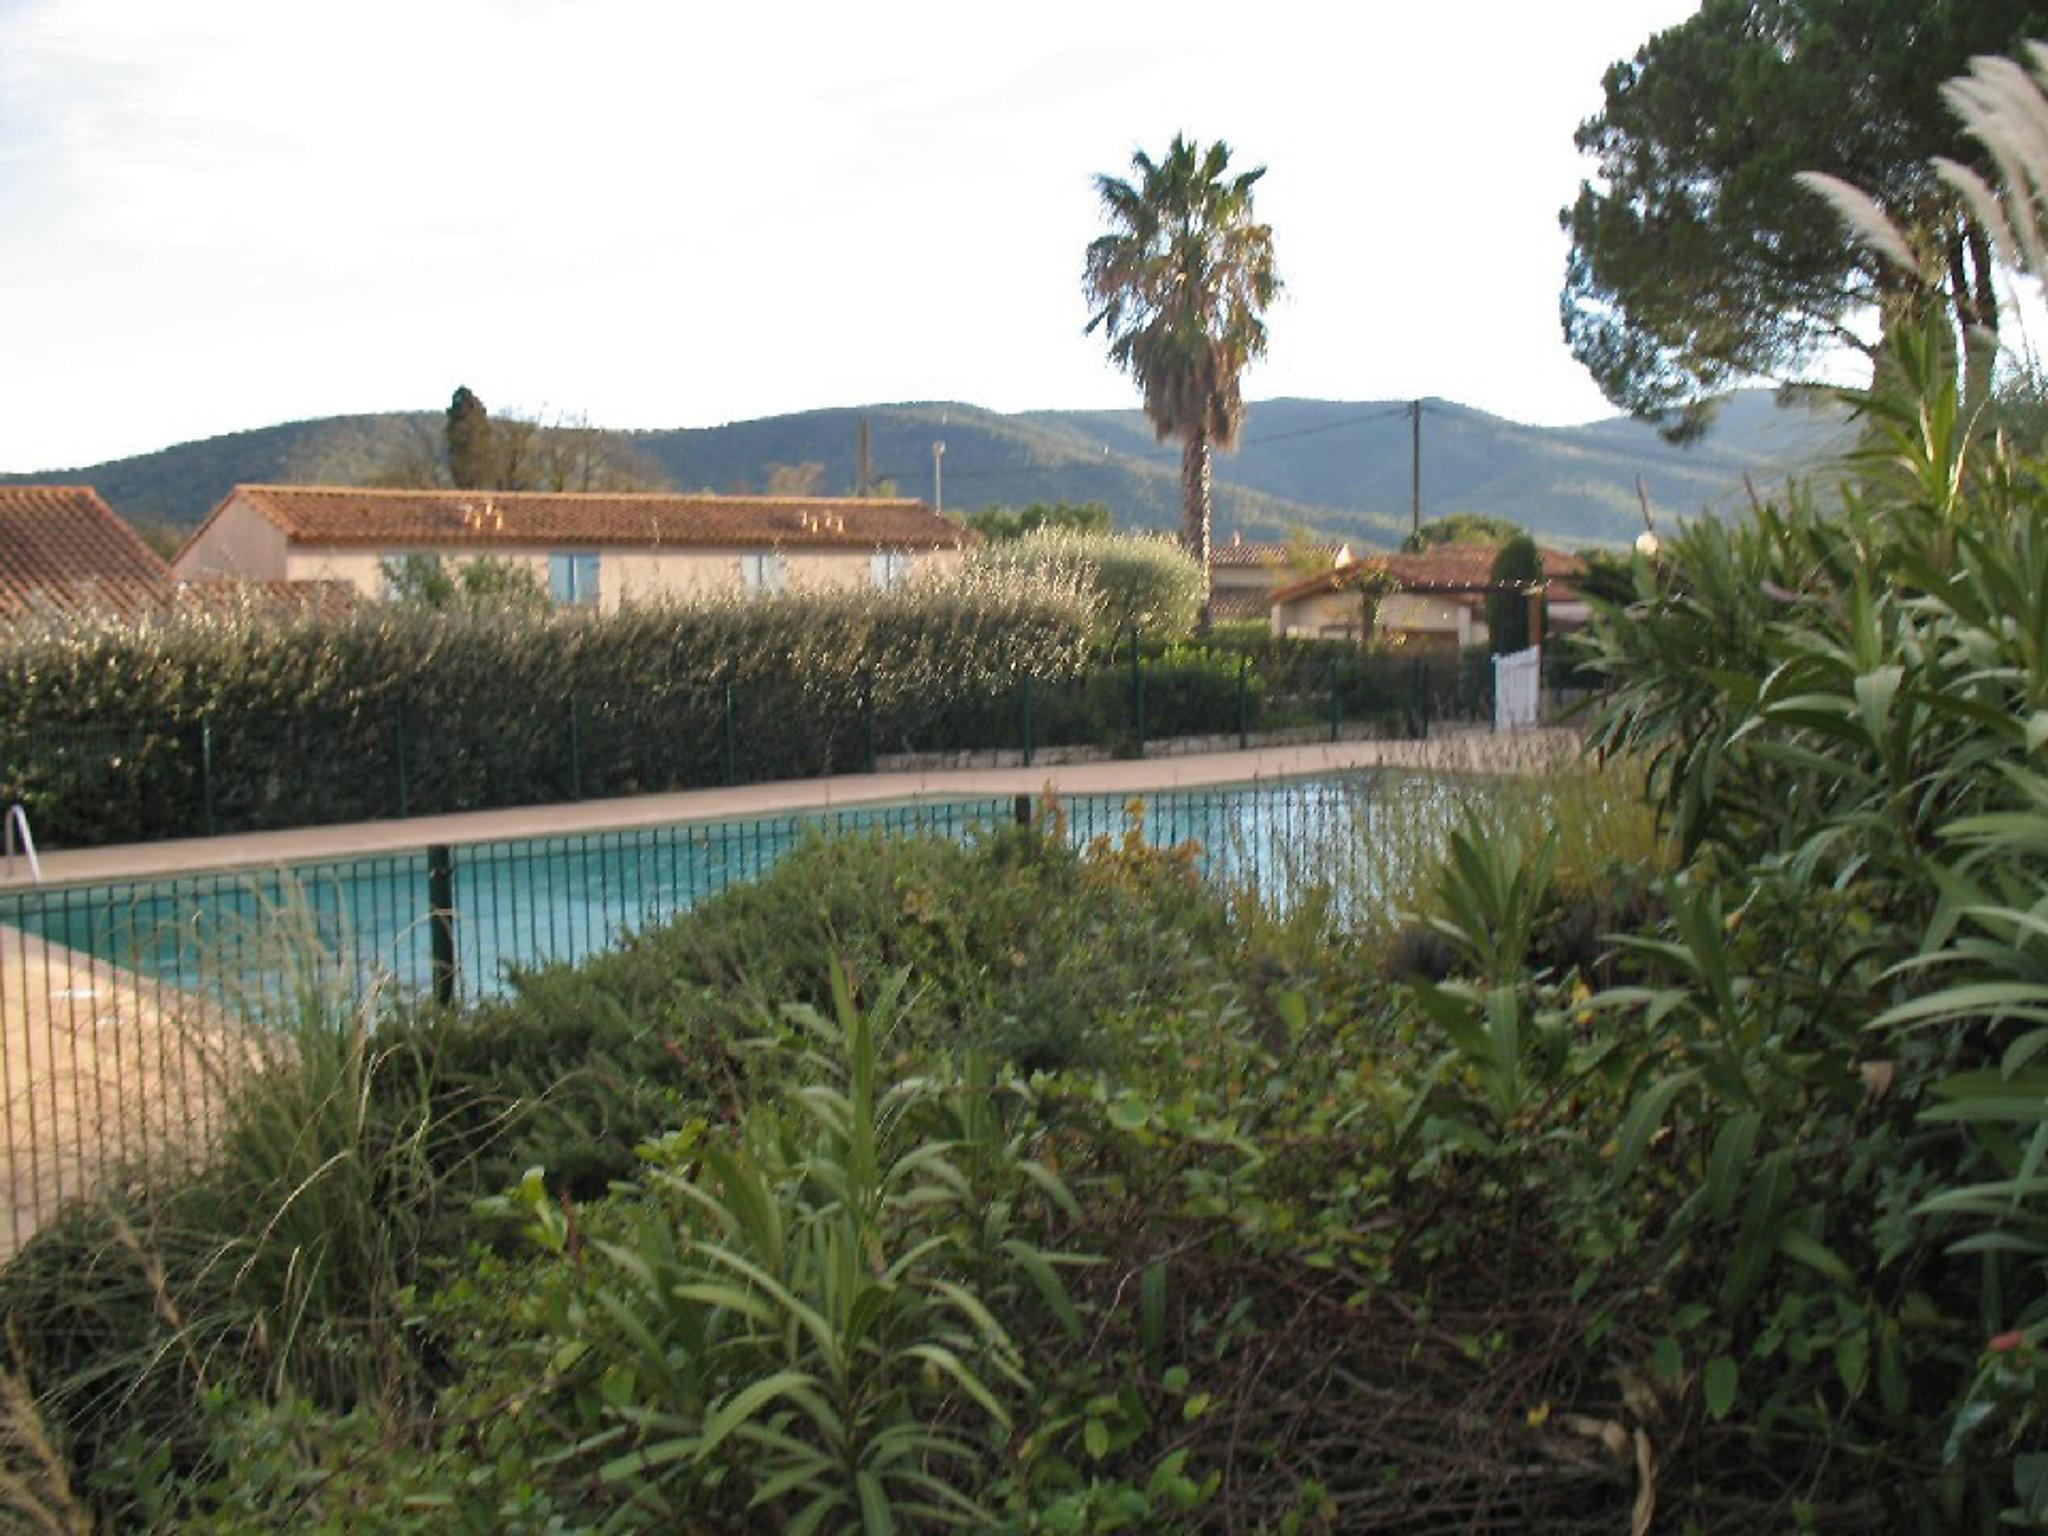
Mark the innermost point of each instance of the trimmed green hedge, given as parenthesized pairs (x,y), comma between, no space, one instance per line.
(112,732)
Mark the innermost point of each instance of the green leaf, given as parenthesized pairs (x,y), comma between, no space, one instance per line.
(1756,1234)
(1046,1281)
(876,1518)
(1667,1357)
(1718,1380)
(1152,1312)
(1893,1387)
(659,1454)
(945,1360)
(1729,1161)
(1852,1360)
(745,1403)
(1645,1116)
(1095,1437)
(1817,1256)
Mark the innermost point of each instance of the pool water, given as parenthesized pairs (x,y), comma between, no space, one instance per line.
(246,937)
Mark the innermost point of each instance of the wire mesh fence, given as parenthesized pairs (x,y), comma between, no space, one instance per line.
(125,1006)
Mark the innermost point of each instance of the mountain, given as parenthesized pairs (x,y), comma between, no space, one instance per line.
(1338,467)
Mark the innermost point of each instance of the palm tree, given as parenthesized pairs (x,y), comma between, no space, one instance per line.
(1179,286)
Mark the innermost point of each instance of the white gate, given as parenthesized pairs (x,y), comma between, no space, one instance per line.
(1517,689)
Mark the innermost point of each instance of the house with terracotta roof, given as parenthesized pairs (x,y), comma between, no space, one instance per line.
(62,547)
(1243,574)
(1437,601)
(601,548)
(64,550)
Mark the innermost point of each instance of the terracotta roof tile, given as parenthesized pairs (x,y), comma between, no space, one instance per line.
(1240,553)
(58,542)
(1240,603)
(353,516)
(1464,568)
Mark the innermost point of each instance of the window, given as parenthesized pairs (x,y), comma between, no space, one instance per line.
(889,568)
(572,577)
(762,572)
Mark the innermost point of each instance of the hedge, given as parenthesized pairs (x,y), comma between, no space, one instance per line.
(249,719)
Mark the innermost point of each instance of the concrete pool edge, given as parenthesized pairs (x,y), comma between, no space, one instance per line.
(1463,751)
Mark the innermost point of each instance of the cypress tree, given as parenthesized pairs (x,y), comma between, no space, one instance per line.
(469,441)
(1517,570)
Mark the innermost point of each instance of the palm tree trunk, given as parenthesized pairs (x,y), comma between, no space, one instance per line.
(1194,502)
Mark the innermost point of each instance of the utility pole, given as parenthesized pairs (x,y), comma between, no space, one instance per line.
(864,463)
(939,477)
(1415,466)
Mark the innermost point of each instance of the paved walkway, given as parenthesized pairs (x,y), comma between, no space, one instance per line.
(1460,751)
(101,1070)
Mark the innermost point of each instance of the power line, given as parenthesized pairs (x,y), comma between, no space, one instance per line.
(1330,426)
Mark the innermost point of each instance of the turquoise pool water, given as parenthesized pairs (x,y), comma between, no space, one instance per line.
(535,901)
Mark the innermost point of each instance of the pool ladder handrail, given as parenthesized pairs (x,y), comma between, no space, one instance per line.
(17,828)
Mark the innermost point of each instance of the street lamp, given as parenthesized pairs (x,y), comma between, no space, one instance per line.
(939,477)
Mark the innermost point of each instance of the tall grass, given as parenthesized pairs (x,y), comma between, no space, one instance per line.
(35,1486)
(1378,854)
(274,1258)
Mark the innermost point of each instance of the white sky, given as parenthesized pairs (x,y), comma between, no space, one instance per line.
(218,214)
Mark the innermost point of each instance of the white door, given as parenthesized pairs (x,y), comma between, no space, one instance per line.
(1517,686)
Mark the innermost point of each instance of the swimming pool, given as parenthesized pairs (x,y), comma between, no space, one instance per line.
(243,936)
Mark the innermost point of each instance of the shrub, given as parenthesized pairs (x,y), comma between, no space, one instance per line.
(248,719)
(807,1315)
(1146,582)
(1519,565)
(1831,1056)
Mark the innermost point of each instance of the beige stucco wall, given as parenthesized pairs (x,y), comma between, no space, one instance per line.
(628,574)
(1325,614)
(1240,578)
(240,543)
(1266,576)
(645,575)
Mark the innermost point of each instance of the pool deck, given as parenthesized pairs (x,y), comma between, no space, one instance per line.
(1459,751)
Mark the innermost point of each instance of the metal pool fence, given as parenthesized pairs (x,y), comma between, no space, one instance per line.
(125,1006)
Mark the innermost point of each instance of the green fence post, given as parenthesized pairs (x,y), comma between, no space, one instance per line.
(1029,744)
(1244,713)
(1137,697)
(1336,699)
(206,771)
(398,757)
(732,757)
(575,747)
(441,920)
